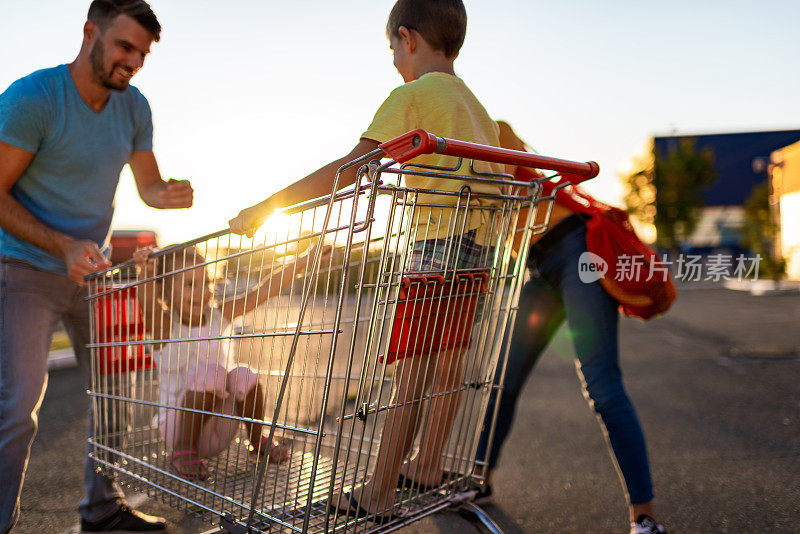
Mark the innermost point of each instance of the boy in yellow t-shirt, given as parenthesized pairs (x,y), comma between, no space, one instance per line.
(425,37)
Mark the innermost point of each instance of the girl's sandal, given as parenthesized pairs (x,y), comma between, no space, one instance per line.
(278,452)
(192,468)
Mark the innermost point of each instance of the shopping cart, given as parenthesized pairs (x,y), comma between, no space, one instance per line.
(342,305)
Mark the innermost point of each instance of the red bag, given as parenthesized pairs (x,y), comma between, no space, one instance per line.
(629,270)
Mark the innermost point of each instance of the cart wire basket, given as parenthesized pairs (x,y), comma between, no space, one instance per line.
(255,381)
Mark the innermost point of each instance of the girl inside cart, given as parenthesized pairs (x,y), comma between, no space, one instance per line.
(197,375)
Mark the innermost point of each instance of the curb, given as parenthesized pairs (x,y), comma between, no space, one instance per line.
(765,287)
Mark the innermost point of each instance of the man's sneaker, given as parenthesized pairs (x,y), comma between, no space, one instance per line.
(125,521)
(646,525)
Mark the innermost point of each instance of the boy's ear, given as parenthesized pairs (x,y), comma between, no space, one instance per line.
(408,38)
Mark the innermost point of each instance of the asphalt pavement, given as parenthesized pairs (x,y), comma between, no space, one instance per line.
(717,386)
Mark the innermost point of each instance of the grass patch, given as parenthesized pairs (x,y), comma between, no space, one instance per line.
(60,341)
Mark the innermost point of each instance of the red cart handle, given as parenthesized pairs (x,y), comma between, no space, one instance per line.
(417,142)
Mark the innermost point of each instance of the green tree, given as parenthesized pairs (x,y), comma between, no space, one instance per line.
(668,193)
(640,193)
(760,232)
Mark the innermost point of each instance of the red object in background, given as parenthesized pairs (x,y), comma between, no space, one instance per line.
(125,242)
(118,320)
(434,314)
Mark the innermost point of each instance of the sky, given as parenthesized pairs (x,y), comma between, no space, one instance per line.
(249,96)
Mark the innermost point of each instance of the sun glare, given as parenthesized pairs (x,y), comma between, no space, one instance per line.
(277,228)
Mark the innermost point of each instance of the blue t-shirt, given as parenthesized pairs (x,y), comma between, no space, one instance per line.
(78,156)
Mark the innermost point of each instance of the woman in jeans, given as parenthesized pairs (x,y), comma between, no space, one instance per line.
(554,293)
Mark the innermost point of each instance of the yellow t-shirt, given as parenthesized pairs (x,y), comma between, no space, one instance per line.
(443,105)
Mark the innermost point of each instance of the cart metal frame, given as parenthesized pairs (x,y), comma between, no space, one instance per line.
(321,335)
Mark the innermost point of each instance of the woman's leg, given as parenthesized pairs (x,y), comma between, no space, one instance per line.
(539,315)
(593,321)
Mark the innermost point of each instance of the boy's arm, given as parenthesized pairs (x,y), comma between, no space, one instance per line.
(315,185)
(157,320)
(270,286)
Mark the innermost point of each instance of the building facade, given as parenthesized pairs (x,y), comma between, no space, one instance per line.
(735,159)
(784,170)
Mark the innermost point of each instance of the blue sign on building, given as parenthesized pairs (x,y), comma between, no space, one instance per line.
(733,159)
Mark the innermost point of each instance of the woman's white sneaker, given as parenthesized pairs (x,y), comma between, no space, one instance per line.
(646,525)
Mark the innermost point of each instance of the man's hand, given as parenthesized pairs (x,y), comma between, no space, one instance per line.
(82,258)
(156,193)
(249,220)
(176,194)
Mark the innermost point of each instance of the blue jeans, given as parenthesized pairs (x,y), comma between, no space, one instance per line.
(555,292)
(31,304)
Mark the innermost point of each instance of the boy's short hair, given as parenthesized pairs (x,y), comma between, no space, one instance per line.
(442,23)
(103,12)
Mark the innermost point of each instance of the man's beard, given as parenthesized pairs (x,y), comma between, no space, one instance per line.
(97,57)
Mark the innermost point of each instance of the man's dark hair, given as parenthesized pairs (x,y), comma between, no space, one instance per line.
(442,23)
(102,12)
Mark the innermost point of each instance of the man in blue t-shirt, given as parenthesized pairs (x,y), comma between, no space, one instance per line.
(65,135)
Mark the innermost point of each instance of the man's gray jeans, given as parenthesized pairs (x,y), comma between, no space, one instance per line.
(31,304)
